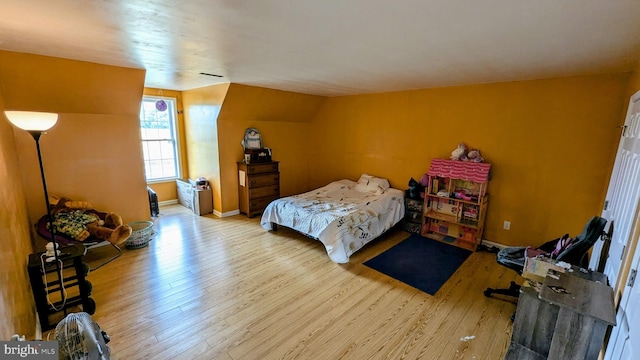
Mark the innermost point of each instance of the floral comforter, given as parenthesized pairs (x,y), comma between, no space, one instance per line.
(342,218)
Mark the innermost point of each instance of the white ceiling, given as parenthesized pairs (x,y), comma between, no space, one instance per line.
(332,47)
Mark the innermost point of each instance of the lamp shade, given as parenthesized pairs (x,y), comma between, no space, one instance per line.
(32,120)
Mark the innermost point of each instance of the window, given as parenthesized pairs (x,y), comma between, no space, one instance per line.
(159,138)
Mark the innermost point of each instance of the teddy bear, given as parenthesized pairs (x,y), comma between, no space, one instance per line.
(77,220)
(460,153)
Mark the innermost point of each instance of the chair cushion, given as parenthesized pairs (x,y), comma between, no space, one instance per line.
(43,230)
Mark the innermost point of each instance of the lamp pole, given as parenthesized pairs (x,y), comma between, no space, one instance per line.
(36,123)
(36,136)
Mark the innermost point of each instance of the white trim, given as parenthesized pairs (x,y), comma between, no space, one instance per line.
(175,135)
(227,214)
(489,244)
(215,212)
(168,202)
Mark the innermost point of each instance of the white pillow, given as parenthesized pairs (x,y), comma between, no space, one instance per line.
(372,184)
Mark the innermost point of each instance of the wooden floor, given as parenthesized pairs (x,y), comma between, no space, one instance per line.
(211,288)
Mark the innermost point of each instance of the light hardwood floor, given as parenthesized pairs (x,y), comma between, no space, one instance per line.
(211,288)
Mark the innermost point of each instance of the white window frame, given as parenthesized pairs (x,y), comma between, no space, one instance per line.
(174,139)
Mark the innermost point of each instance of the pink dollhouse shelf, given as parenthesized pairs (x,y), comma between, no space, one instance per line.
(464,170)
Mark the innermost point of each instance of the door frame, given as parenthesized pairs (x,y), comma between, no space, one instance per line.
(634,233)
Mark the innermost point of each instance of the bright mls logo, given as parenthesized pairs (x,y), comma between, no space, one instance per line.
(41,350)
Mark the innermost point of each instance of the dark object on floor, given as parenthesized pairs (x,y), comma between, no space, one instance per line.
(420,262)
(492,249)
(575,254)
(153,202)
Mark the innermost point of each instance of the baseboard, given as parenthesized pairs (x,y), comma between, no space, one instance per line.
(168,202)
(215,212)
(489,244)
(227,214)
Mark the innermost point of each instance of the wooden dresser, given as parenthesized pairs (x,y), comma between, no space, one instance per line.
(259,184)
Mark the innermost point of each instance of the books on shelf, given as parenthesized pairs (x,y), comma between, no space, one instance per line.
(456,202)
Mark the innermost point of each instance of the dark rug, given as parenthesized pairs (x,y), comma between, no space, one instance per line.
(420,262)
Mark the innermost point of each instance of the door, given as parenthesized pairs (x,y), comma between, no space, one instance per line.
(621,207)
(624,342)
(623,193)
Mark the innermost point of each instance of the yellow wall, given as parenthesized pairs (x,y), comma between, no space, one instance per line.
(634,82)
(42,83)
(550,143)
(16,302)
(166,190)
(216,117)
(539,135)
(202,107)
(283,120)
(93,153)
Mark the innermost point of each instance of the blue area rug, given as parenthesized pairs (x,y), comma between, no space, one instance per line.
(420,262)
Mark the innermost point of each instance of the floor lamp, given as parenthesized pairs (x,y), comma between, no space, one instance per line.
(37,123)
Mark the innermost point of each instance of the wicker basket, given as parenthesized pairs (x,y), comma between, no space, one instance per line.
(141,235)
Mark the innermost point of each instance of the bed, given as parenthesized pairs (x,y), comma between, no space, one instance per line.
(344,215)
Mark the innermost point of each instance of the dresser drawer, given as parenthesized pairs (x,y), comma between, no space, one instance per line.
(259,185)
(262,168)
(273,190)
(185,193)
(257,205)
(264,180)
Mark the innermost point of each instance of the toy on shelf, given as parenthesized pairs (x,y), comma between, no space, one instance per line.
(416,190)
(464,153)
(460,152)
(462,195)
(474,156)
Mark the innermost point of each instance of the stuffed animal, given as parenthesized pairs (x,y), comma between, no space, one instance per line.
(474,155)
(77,220)
(424,180)
(460,153)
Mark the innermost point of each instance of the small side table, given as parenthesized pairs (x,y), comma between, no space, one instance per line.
(71,257)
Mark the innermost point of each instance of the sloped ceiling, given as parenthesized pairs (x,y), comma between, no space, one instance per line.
(331,47)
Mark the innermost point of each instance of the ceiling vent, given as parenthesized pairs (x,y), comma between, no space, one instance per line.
(214,75)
